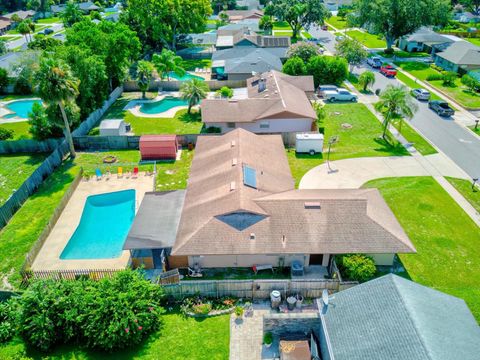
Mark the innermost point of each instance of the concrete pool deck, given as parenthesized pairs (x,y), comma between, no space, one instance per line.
(49,256)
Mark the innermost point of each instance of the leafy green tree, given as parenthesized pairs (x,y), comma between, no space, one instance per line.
(343,11)
(472,5)
(219,5)
(46,123)
(327,69)
(3,79)
(467,80)
(396,18)
(16,19)
(395,103)
(299,13)
(225,92)
(266,24)
(25,29)
(193,91)
(95,15)
(304,50)
(44,43)
(167,62)
(5,134)
(9,308)
(352,50)
(144,76)
(449,78)
(56,85)
(72,14)
(294,66)
(366,79)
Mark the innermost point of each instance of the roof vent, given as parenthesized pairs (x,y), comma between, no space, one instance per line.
(232,144)
(312,205)
(233,185)
(234,161)
(262,85)
(252,236)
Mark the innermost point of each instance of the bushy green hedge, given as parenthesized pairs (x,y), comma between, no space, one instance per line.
(8,311)
(356,267)
(108,314)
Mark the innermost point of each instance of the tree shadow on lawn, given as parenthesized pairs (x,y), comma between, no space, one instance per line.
(393,149)
(190,118)
(32,159)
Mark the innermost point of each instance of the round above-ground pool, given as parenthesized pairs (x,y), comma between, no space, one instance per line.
(157,107)
(187,76)
(20,108)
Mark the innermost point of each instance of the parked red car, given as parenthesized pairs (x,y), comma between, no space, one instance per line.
(388,71)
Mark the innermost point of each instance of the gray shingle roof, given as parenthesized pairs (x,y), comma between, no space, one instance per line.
(429,37)
(397,319)
(245,60)
(462,53)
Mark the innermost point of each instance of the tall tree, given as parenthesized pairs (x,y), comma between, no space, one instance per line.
(167,62)
(352,50)
(395,103)
(72,14)
(299,13)
(396,18)
(41,6)
(193,91)
(55,84)
(472,5)
(294,66)
(266,24)
(25,29)
(144,76)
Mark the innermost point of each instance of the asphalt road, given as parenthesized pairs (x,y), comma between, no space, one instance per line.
(457,142)
(325,38)
(21,42)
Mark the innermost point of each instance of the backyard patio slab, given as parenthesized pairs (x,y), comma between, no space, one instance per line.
(49,256)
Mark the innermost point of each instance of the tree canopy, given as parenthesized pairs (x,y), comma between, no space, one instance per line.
(294,66)
(298,13)
(352,50)
(72,14)
(396,18)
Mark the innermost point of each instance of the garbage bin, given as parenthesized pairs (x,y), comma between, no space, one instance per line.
(275,298)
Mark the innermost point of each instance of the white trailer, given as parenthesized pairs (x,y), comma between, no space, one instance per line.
(310,143)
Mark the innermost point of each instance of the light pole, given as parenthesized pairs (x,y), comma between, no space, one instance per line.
(333,140)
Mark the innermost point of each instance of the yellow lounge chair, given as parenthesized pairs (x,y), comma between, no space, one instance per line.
(120,172)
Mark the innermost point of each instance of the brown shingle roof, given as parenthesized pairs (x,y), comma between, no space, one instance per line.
(284,220)
(284,96)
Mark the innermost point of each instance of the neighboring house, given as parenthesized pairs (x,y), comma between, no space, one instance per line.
(242,36)
(425,40)
(466,17)
(276,103)
(397,319)
(86,7)
(240,63)
(459,56)
(241,209)
(235,16)
(333,5)
(249,4)
(22,14)
(5,24)
(12,60)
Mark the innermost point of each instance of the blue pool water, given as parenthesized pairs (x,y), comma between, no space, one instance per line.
(103,228)
(185,77)
(160,106)
(21,108)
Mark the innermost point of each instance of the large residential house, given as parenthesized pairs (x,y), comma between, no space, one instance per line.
(5,24)
(425,40)
(22,14)
(276,103)
(460,56)
(85,7)
(397,319)
(235,16)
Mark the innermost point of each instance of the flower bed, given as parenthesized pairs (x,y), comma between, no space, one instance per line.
(199,306)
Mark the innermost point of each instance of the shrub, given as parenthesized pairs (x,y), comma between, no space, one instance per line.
(470,82)
(8,314)
(202,309)
(22,86)
(436,67)
(3,79)
(268,338)
(294,66)
(213,130)
(434,77)
(449,78)
(303,50)
(357,267)
(327,69)
(239,310)
(389,51)
(225,92)
(6,134)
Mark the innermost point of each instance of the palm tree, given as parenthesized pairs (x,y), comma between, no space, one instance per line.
(366,79)
(24,28)
(167,62)
(55,84)
(144,75)
(193,91)
(395,102)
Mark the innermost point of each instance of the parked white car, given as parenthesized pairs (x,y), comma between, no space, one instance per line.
(421,94)
(340,95)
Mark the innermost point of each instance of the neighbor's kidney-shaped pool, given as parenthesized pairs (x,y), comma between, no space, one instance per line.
(103,228)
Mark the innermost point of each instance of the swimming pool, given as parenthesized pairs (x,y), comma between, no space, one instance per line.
(167,103)
(103,228)
(185,77)
(20,108)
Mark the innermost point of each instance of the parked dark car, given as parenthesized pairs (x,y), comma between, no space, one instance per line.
(441,108)
(47,31)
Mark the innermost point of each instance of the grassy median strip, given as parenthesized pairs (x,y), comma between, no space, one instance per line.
(465,188)
(413,137)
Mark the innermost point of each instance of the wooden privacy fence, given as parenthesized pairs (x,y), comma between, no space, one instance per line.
(92,274)
(30,257)
(255,289)
(28,146)
(31,184)
(156,85)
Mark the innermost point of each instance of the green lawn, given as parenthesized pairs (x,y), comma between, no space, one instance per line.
(409,133)
(337,22)
(14,170)
(446,239)
(361,140)
(475,41)
(182,123)
(306,35)
(369,40)
(473,129)
(20,130)
(282,33)
(464,187)
(460,93)
(281,25)
(51,20)
(180,338)
(418,69)
(403,54)
(414,85)
(192,64)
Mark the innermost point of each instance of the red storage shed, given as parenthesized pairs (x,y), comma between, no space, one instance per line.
(158,147)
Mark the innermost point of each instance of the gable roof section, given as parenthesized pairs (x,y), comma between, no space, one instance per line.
(429,37)
(461,53)
(397,319)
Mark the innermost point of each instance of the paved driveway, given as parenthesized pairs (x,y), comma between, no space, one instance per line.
(457,142)
(353,173)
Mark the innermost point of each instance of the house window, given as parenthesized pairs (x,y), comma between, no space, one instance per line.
(231,125)
(264,125)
